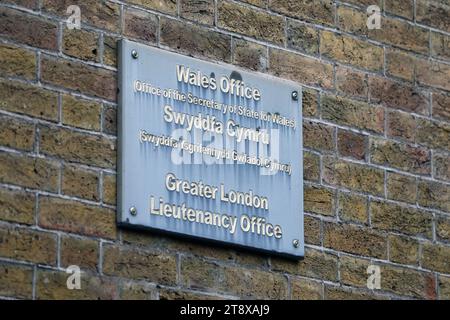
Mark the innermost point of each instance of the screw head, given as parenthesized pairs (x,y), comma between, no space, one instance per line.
(133,211)
(295,243)
(295,95)
(134,54)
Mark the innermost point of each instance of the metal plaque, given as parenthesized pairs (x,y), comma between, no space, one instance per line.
(209,151)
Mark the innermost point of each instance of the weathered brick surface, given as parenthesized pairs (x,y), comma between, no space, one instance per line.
(25,171)
(81,252)
(319,200)
(28,29)
(321,11)
(81,44)
(195,41)
(353,271)
(28,245)
(110,50)
(408,282)
(311,166)
(16,281)
(30,4)
(352,113)
(441,110)
(109,120)
(81,183)
(393,31)
(441,162)
(318,136)
(166,6)
(312,230)
(352,83)
(440,45)
(400,156)
(170,294)
(52,285)
(109,189)
(387,216)
(81,113)
(403,250)
(17,62)
(397,95)
(64,143)
(433,13)
(241,19)
(434,195)
(354,239)
(258,3)
(137,291)
(402,8)
(352,144)
(444,288)
(16,133)
(316,264)
(103,14)
(30,100)
(155,242)
(353,176)
(17,206)
(302,37)
(341,293)
(130,263)
(310,103)
(254,283)
(433,134)
(434,74)
(76,217)
(303,289)
(443,228)
(79,77)
(250,55)
(198,10)
(365,3)
(231,280)
(400,64)
(141,25)
(401,125)
(352,207)
(352,51)
(436,257)
(376,133)
(401,187)
(299,68)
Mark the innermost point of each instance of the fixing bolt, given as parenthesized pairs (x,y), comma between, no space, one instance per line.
(294,95)
(295,243)
(134,54)
(133,211)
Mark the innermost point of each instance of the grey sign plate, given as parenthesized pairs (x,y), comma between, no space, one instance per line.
(251,194)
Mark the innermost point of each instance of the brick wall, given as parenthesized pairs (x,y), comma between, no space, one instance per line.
(376,138)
